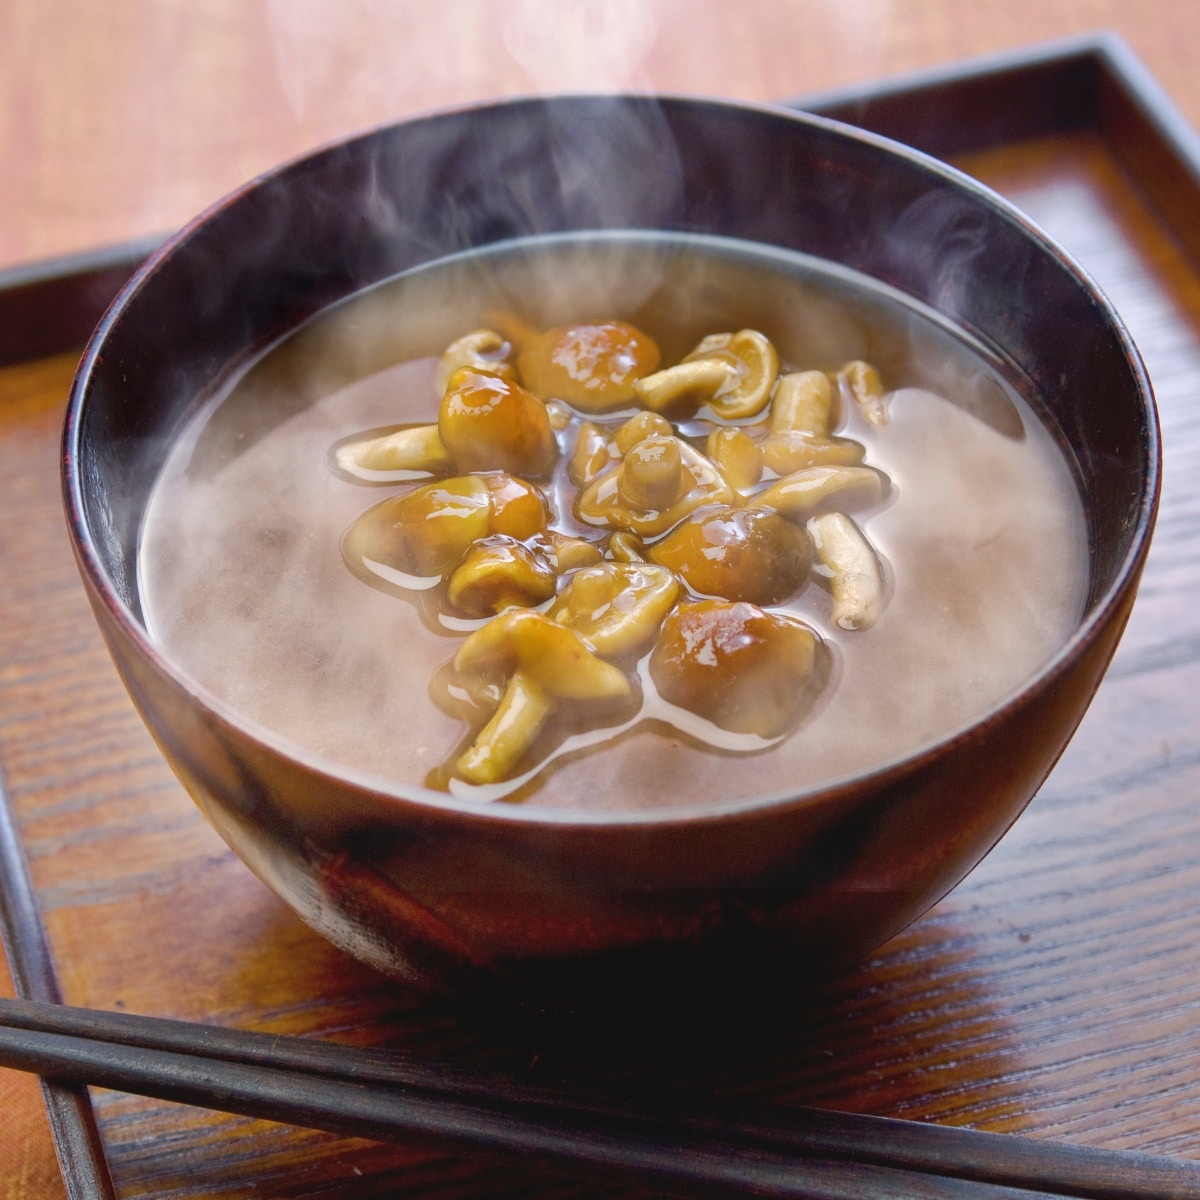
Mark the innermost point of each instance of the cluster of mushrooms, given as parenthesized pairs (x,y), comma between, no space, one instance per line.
(679,558)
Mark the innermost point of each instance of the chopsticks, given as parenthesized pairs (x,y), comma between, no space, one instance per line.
(73,1126)
(719,1147)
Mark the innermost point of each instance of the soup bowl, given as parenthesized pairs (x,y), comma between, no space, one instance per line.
(447,892)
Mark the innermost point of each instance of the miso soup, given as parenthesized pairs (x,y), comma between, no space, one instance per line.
(803,528)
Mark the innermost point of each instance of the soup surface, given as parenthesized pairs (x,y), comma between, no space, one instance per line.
(251,576)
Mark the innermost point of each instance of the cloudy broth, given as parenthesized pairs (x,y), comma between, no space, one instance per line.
(244,584)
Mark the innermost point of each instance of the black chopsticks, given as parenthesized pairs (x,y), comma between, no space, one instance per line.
(73,1125)
(714,1148)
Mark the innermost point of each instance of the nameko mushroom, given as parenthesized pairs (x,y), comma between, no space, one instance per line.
(737,553)
(544,663)
(499,572)
(575,526)
(617,606)
(804,493)
(420,448)
(655,486)
(482,350)
(425,532)
(412,450)
(598,450)
(594,367)
(862,381)
(607,611)
(855,573)
(741,667)
(733,373)
(803,413)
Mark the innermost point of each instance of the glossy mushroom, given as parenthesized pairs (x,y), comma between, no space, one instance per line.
(500,572)
(482,350)
(542,663)
(617,607)
(733,373)
(855,573)
(804,493)
(415,448)
(803,414)
(737,553)
(862,381)
(737,665)
(659,482)
(594,367)
(490,423)
(426,531)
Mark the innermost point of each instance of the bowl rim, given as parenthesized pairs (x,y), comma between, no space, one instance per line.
(1094,619)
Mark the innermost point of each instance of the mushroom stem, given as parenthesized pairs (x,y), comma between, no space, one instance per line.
(502,742)
(804,493)
(803,401)
(652,477)
(737,456)
(693,382)
(545,662)
(864,383)
(803,415)
(417,448)
(856,581)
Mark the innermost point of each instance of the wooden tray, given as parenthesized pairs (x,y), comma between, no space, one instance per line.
(1055,993)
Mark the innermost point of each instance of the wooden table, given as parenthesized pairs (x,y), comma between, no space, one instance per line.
(1055,993)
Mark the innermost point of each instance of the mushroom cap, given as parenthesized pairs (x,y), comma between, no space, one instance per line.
(757,366)
(733,373)
(422,532)
(640,426)
(604,501)
(570,553)
(489,423)
(617,606)
(592,366)
(515,506)
(556,657)
(735,553)
(426,531)
(483,350)
(744,669)
(499,572)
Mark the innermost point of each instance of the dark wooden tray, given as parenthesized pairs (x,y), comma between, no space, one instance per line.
(1052,994)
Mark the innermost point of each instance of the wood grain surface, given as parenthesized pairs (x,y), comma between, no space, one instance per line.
(1055,993)
(125,118)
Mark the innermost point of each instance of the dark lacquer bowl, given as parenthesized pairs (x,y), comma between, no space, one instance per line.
(434,889)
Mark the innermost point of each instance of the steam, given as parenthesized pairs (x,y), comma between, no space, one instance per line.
(938,239)
(391,56)
(586,45)
(381,57)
